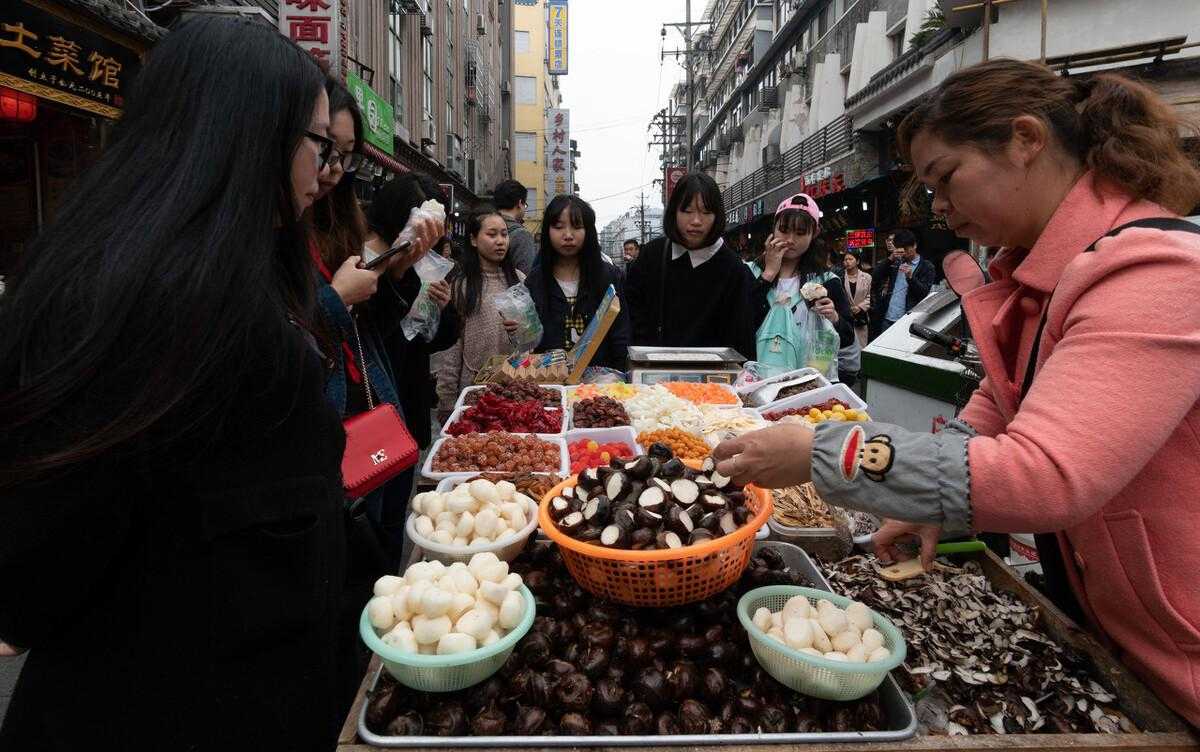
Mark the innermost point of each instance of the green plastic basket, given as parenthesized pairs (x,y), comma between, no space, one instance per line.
(447,673)
(808,674)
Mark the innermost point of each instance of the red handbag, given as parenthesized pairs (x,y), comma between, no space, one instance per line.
(378,444)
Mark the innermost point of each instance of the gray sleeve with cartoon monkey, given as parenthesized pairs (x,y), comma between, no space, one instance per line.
(892,472)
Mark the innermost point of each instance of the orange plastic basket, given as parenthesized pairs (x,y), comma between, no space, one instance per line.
(662,577)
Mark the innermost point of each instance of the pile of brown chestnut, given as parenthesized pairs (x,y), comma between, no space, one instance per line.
(650,502)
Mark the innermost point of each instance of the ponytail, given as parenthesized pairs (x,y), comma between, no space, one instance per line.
(1133,141)
(1118,128)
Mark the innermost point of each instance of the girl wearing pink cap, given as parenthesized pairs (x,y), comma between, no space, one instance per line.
(795,256)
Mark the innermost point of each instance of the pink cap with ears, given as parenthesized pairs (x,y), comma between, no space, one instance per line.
(803,202)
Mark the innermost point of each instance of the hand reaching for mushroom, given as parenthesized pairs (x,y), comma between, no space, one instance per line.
(774,457)
(895,531)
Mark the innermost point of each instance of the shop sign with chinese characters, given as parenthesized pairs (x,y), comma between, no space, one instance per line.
(314,25)
(377,114)
(557,29)
(51,58)
(558,152)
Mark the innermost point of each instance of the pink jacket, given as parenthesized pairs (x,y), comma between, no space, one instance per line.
(1106,446)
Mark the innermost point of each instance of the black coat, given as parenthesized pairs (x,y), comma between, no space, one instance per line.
(188,599)
(705,306)
(884,277)
(410,362)
(552,310)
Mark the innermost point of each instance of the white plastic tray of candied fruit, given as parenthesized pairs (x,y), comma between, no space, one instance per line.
(564,461)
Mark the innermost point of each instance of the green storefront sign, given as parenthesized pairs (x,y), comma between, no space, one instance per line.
(376,112)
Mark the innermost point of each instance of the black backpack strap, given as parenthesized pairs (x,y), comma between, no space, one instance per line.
(1057,585)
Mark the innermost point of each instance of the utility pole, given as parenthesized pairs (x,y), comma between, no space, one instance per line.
(642,217)
(689,66)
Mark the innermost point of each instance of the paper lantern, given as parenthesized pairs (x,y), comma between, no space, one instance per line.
(17,105)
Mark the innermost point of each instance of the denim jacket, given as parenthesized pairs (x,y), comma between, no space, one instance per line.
(376,321)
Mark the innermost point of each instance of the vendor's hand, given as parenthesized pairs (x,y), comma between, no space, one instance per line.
(9,651)
(774,457)
(824,308)
(511,326)
(895,531)
(439,292)
(354,285)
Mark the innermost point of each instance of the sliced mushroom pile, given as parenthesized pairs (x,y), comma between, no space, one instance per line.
(978,657)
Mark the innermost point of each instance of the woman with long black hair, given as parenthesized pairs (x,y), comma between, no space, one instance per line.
(570,280)
(171,510)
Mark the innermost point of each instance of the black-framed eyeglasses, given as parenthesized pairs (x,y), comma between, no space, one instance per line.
(351,161)
(326,148)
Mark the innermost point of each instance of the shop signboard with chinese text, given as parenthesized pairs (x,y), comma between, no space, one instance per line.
(860,238)
(52,58)
(557,29)
(315,26)
(822,182)
(674,174)
(559,178)
(378,119)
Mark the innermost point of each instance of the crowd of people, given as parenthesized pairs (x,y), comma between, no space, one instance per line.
(181,350)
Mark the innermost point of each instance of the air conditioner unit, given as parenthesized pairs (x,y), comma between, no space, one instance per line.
(426,25)
(504,88)
(428,134)
(504,146)
(479,27)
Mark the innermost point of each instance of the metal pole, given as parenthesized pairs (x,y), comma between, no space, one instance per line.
(987,27)
(1043,32)
(691,95)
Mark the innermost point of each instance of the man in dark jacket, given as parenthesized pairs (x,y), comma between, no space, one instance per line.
(511,200)
(904,278)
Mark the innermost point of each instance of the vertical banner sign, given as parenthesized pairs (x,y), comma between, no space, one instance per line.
(314,25)
(378,119)
(558,157)
(674,174)
(557,46)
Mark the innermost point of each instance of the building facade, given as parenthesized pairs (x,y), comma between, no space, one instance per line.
(641,223)
(534,91)
(65,67)
(804,95)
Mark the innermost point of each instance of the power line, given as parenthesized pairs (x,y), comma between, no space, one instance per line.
(619,193)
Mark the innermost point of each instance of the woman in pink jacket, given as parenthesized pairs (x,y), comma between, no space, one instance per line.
(1088,423)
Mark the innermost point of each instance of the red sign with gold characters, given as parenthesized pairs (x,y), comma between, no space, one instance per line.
(49,57)
(315,26)
(860,238)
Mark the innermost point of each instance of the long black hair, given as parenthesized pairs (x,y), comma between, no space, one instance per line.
(338,220)
(591,266)
(392,204)
(467,281)
(175,261)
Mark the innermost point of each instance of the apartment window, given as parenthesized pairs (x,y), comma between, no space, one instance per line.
(521,41)
(526,146)
(396,63)
(427,68)
(526,89)
(823,22)
(531,201)
(897,40)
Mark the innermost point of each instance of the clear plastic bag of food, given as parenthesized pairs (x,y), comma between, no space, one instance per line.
(425,315)
(515,304)
(821,345)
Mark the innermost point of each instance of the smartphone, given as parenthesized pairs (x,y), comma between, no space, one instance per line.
(378,260)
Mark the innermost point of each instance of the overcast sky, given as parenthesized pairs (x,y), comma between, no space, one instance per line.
(613,89)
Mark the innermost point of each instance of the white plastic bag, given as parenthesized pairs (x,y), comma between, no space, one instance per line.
(515,304)
(424,315)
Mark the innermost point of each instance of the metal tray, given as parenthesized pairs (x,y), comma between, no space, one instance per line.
(900,714)
(659,356)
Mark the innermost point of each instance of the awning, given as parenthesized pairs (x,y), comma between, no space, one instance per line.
(386,160)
